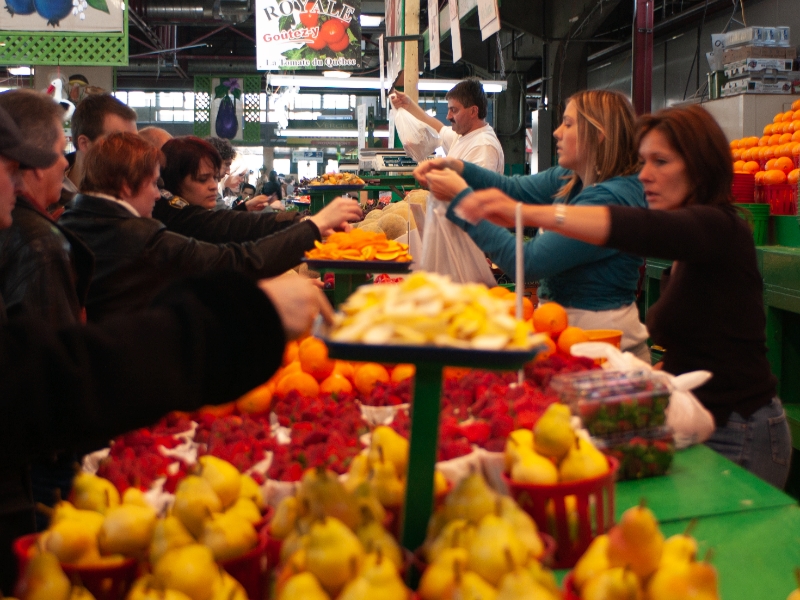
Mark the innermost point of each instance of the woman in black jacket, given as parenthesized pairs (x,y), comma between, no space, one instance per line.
(272,186)
(136,256)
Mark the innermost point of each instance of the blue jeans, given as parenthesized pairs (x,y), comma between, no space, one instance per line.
(761,444)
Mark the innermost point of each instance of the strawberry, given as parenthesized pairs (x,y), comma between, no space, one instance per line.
(476,432)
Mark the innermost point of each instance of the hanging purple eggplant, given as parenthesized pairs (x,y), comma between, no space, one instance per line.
(227,123)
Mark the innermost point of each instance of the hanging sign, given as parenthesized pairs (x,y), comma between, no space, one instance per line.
(308,35)
(488,17)
(86,16)
(455,30)
(306,155)
(361,110)
(433,32)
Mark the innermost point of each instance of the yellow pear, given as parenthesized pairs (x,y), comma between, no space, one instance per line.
(227,588)
(681,547)
(94,493)
(44,579)
(440,483)
(470,586)
(285,517)
(393,446)
(195,501)
(168,533)
(544,577)
(439,577)
(472,499)
(530,467)
(325,495)
(228,535)
(385,483)
(78,592)
(90,519)
(247,509)
(378,580)
(357,473)
(225,479)
(458,533)
(127,529)
(373,536)
(696,580)
(518,441)
(583,461)
(134,496)
(593,561)
(519,584)
(795,595)
(367,501)
(297,538)
(70,541)
(495,549)
(553,435)
(250,489)
(333,554)
(614,584)
(144,588)
(636,542)
(522,524)
(190,569)
(303,585)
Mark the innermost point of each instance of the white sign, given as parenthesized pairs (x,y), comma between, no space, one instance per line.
(306,155)
(455,30)
(308,34)
(362,125)
(91,16)
(488,17)
(433,32)
(380,68)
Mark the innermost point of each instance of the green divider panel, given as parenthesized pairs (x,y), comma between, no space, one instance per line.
(202,105)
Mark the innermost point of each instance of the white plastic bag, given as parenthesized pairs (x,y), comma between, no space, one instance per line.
(419,140)
(448,250)
(689,420)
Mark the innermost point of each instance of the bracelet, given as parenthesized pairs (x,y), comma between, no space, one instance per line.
(560,214)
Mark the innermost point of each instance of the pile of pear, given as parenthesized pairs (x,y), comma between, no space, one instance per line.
(634,561)
(334,543)
(553,452)
(483,545)
(44,579)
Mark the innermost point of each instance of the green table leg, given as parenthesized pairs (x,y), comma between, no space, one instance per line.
(418,504)
(346,284)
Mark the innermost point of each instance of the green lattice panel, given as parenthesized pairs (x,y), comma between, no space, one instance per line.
(54,48)
(202,106)
(252,113)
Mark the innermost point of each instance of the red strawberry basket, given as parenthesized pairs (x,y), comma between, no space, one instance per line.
(593,511)
(105,582)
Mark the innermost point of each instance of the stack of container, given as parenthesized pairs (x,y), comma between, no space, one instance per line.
(759,60)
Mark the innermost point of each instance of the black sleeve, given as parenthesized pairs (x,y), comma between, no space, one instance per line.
(699,233)
(222,226)
(90,383)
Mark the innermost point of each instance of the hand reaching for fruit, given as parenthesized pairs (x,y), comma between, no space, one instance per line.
(298,302)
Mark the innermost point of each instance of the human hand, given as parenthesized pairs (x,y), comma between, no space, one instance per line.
(400,100)
(436,164)
(256,203)
(491,205)
(298,302)
(445,184)
(336,216)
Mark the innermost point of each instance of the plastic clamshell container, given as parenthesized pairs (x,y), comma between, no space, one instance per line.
(611,402)
(641,454)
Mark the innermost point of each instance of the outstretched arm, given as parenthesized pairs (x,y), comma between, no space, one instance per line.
(400,100)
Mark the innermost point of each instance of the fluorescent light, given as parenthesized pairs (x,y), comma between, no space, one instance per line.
(336,74)
(370,20)
(326,133)
(373,83)
(19,71)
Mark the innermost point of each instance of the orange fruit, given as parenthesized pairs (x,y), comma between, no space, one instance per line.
(569,337)
(773,177)
(257,400)
(760,177)
(551,318)
(793,176)
(527,308)
(303,383)
(778,118)
(775,139)
(785,138)
(455,372)
(292,367)
(221,410)
(737,154)
(784,150)
(548,352)
(796,105)
(313,355)
(734,144)
(368,375)
(336,384)
(796,149)
(787,116)
(738,166)
(403,372)
(793,126)
(499,291)
(768,129)
(289,353)
(770,164)
(763,140)
(784,164)
(769,152)
(344,369)
(751,167)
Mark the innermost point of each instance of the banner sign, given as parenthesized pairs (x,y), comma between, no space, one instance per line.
(308,35)
(306,155)
(84,16)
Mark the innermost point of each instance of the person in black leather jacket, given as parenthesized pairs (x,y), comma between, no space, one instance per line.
(44,269)
(136,256)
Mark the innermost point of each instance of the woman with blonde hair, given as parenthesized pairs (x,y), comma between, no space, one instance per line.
(597,166)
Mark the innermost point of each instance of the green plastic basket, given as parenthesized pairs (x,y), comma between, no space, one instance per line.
(757,215)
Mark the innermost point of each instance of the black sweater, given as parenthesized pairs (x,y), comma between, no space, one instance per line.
(711,311)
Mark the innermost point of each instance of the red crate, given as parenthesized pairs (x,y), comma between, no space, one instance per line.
(782,198)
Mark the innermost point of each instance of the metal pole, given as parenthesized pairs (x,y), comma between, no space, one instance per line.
(642,61)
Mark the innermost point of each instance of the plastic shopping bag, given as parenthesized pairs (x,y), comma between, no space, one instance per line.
(689,420)
(419,140)
(448,250)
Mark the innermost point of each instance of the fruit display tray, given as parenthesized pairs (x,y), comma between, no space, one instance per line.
(365,266)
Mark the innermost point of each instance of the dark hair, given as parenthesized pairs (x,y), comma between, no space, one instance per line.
(37,115)
(222,146)
(469,92)
(183,156)
(119,158)
(248,185)
(694,134)
(91,112)
(273,176)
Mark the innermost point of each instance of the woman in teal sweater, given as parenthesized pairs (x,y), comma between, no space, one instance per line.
(598,163)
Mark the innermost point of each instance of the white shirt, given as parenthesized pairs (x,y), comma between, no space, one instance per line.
(130,208)
(480,147)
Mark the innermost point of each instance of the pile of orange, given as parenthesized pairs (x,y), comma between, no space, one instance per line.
(359,245)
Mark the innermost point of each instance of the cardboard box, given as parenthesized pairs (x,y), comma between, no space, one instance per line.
(763,67)
(748,52)
(749,35)
(749,85)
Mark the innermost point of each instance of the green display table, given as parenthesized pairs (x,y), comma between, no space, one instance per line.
(701,483)
(397,184)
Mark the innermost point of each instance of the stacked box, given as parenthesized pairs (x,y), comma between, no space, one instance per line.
(751,85)
(759,66)
(777,68)
(732,55)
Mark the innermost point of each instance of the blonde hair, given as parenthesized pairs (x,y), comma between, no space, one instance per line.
(606,134)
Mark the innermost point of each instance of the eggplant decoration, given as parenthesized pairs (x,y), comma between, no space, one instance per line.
(227,123)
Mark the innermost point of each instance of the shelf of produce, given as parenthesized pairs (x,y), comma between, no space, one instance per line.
(701,483)
(424,428)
